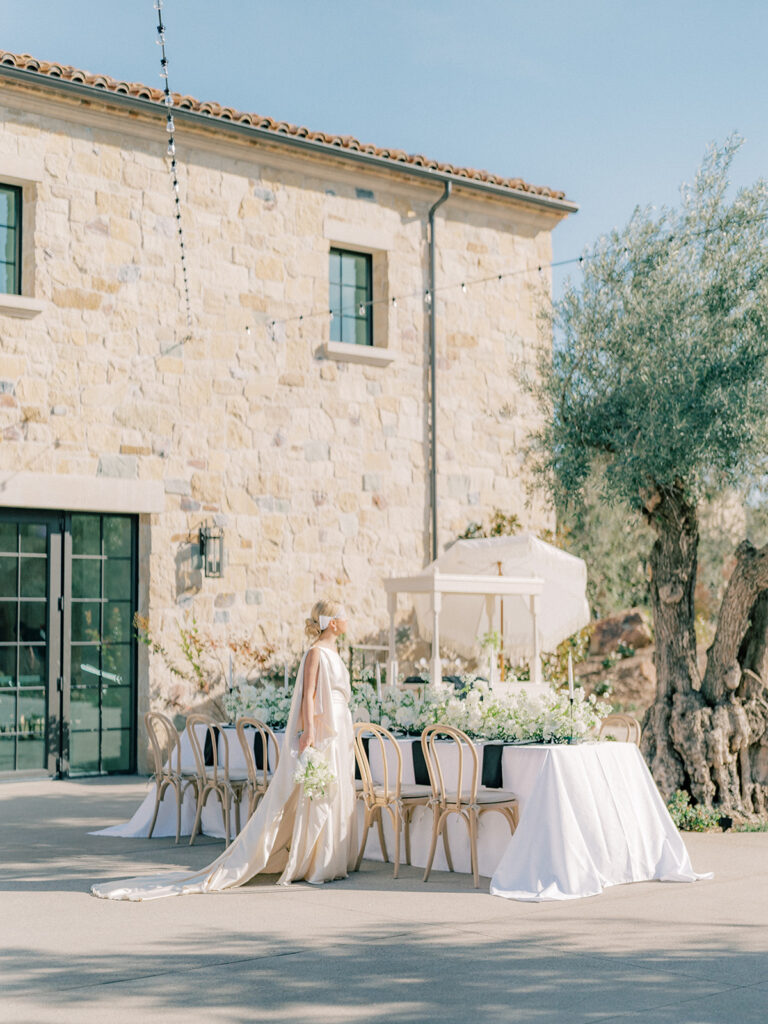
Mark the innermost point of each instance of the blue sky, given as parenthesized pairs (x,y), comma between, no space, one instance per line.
(613,102)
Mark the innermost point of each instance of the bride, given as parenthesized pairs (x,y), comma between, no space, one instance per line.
(303,838)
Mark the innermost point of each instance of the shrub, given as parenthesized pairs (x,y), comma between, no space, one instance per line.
(691,817)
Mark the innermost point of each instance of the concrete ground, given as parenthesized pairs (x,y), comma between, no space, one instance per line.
(365,949)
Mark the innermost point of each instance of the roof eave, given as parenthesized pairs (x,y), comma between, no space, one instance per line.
(91,92)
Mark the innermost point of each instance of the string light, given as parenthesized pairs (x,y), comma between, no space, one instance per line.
(170,127)
(427,296)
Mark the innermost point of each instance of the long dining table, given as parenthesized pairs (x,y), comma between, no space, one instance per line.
(590,817)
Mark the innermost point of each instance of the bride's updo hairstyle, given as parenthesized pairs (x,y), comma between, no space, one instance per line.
(330,609)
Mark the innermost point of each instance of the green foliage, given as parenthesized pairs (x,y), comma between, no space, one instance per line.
(491,639)
(660,375)
(205,660)
(614,542)
(502,524)
(554,665)
(691,817)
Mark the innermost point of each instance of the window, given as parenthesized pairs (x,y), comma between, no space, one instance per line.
(351,291)
(10,239)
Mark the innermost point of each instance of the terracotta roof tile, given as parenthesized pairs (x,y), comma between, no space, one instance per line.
(25,62)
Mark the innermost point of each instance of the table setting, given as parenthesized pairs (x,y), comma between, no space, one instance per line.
(590,815)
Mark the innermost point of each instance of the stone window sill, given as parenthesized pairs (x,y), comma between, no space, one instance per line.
(20,305)
(344,352)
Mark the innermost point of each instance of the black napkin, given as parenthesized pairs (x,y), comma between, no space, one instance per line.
(491,776)
(258,749)
(208,749)
(420,773)
(366,748)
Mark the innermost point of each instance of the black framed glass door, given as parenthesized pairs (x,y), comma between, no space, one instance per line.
(67,653)
(29,578)
(102,650)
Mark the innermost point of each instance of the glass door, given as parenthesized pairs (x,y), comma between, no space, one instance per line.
(101,654)
(28,641)
(67,653)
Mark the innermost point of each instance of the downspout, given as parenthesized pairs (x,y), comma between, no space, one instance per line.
(433,368)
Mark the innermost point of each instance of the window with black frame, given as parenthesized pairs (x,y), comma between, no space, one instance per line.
(10,239)
(351,291)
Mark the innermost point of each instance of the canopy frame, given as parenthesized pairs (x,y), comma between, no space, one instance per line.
(436,584)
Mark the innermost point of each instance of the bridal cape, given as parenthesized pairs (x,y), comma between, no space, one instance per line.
(314,840)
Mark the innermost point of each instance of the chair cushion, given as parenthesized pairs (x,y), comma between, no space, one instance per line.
(495,796)
(485,797)
(412,791)
(407,792)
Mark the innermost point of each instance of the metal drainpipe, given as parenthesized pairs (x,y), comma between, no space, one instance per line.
(433,368)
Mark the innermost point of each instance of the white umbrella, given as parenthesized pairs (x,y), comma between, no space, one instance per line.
(563,607)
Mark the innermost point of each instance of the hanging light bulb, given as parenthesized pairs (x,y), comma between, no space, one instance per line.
(169,125)
(361,310)
(463,288)
(428,297)
(394,303)
(171,148)
(330,314)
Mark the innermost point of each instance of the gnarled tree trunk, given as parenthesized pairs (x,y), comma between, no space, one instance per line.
(670,745)
(707,735)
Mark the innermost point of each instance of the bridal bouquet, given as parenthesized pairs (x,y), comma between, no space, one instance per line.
(314,773)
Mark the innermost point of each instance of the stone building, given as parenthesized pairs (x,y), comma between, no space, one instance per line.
(304,437)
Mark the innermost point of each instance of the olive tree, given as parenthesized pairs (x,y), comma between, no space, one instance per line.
(657,386)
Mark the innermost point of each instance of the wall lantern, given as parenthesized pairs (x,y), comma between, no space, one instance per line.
(212,549)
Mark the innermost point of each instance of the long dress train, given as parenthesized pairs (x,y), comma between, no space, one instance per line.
(314,840)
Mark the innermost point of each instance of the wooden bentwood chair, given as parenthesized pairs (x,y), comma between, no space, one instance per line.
(165,746)
(214,778)
(453,797)
(390,795)
(622,728)
(258,778)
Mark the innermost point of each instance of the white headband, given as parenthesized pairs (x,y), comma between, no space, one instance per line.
(326,620)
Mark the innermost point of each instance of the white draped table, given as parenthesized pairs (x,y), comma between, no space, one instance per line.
(590,817)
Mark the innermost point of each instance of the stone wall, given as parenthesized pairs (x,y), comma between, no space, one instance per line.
(316,468)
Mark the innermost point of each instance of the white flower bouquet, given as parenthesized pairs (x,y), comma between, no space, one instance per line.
(314,773)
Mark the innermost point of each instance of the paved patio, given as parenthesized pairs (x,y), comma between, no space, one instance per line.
(366,949)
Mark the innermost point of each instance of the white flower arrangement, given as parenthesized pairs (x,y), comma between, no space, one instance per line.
(482,713)
(314,773)
(266,701)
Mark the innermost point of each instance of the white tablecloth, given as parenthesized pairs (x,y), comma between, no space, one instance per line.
(590,817)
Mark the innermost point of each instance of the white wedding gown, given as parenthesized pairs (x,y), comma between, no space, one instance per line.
(314,840)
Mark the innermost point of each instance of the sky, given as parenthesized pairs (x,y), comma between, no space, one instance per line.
(612,101)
